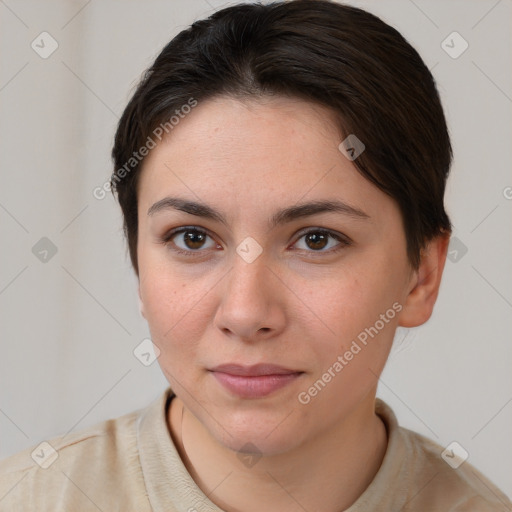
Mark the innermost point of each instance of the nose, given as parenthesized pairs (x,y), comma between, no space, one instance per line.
(252,305)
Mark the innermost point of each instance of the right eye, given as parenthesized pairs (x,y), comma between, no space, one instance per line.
(188,241)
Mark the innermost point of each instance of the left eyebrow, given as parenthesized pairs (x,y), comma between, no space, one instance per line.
(282,216)
(313,208)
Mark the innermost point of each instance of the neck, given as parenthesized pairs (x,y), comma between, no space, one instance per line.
(327,473)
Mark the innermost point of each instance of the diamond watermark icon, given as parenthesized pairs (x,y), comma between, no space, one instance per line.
(146,352)
(454,45)
(454,454)
(249,455)
(44,455)
(44,45)
(456,249)
(249,249)
(44,250)
(351,147)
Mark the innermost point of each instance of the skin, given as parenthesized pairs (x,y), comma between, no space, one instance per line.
(293,305)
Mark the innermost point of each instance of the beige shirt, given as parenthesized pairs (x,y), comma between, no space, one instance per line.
(130,464)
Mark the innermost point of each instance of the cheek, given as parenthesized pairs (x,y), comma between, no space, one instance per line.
(348,308)
(161,297)
(173,310)
(347,361)
(165,292)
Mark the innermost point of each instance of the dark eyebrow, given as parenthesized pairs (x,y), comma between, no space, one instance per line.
(280,217)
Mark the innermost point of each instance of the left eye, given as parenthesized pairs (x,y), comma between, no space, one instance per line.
(318,240)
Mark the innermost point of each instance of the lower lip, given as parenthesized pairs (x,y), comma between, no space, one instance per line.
(254,387)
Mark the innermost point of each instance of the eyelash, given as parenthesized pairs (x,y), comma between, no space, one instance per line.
(167,240)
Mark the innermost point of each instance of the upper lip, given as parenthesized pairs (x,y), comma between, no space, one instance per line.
(254,370)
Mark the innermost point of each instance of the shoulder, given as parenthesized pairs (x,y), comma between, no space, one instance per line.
(74,471)
(429,477)
(444,478)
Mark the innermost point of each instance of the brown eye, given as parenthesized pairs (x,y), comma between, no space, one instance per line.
(316,241)
(322,241)
(194,239)
(189,241)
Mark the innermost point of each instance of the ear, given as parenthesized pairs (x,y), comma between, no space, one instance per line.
(141,305)
(425,282)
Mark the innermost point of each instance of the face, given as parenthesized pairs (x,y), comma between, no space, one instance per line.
(233,280)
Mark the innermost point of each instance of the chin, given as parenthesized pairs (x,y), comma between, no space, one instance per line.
(252,435)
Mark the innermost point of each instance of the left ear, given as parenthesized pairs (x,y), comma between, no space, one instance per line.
(425,283)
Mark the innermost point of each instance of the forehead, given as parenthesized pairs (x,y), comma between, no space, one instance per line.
(225,128)
(257,152)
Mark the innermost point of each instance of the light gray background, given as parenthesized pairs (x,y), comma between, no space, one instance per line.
(69,326)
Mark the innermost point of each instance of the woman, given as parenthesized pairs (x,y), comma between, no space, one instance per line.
(281,171)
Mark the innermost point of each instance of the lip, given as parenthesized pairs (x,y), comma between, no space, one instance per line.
(254,381)
(255,370)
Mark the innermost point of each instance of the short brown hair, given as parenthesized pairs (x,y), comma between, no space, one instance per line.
(335,55)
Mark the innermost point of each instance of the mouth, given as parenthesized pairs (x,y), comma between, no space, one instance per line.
(254,381)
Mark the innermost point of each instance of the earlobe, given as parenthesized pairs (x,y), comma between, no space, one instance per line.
(425,283)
